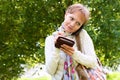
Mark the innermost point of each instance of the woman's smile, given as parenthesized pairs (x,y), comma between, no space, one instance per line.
(70,28)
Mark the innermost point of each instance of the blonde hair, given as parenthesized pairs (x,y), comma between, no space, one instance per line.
(79,7)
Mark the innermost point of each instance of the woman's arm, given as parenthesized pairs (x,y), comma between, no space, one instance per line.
(52,56)
(87,57)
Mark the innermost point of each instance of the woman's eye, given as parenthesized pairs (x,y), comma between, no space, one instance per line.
(71,18)
(78,23)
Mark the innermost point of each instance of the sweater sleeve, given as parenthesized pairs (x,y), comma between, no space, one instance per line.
(52,56)
(87,57)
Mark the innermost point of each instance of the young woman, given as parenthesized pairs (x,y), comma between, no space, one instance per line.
(61,62)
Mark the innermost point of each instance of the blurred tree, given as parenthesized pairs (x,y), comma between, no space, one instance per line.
(105,31)
(24,24)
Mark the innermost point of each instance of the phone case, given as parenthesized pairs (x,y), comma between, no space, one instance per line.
(63,40)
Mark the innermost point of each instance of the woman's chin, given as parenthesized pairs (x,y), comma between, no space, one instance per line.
(69,31)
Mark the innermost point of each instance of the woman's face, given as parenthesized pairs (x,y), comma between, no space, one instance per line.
(73,21)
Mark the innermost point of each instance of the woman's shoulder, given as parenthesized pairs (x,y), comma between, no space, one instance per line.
(50,37)
(83,32)
(84,35)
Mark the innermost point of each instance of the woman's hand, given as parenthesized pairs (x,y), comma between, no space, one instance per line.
(58,35)
(67,49)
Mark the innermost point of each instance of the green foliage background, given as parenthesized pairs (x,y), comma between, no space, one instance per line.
(24,25)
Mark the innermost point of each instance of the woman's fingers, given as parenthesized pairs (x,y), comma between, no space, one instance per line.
(67,49)
(58,35)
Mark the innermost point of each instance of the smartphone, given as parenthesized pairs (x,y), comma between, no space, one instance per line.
(62,40)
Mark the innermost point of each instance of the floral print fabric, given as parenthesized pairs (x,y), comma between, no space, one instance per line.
(69,70)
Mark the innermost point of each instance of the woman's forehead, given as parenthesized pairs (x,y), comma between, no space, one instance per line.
(80,17)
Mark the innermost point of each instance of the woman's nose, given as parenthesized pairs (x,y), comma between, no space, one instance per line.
(72,23)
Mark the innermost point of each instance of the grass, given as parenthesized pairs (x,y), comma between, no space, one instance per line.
(113,76)
(41,78)
(110,76)
(45,78)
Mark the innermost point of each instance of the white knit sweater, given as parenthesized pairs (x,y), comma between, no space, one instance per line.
(55,58)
